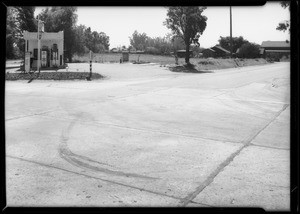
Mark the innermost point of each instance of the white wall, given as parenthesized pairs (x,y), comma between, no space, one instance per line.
(48,39)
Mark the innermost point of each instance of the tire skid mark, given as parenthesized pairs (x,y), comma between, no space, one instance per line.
(85,162)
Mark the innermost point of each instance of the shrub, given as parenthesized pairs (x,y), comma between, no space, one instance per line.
(249,50)
(152,50)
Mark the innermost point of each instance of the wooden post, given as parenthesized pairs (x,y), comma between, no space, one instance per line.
(90,76)
(230,33)
(90,69)
(39,45)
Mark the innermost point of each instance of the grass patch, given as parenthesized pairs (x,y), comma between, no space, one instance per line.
(140,62)
(133,58)
(201,64)
(52,76)
(206,65)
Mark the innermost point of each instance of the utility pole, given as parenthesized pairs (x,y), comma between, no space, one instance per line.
(230,33)
(39,45)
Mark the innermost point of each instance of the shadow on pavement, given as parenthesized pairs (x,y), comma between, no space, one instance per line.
(188,69)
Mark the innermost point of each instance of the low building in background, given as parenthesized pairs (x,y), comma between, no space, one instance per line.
(206,53)
(215,52)
(275,50)
(220,52)
(114,50)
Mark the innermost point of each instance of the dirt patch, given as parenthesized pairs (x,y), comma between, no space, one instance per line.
(52,76)
(206,65)
(188,69)
(140,62)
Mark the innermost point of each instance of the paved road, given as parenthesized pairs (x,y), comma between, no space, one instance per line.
(145,136)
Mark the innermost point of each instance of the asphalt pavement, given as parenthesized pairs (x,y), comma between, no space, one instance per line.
(146,136)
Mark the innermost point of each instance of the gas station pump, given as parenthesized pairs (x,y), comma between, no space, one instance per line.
(54,55)
(44,58)
(27,62)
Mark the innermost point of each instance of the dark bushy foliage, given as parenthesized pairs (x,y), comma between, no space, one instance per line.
(249,50)
(152,50)
(237,42)
(52,76)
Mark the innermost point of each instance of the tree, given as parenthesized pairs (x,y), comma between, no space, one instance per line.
(249,50)
(237,42)
(104,40)
(178,43)
(79,46)
(62,18)
(25,19)
(187,23)
(88,38)
(139,40)
(99,48)
(285,25)
(18,20)
(10,32)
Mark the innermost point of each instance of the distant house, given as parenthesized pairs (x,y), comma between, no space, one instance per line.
(216,51)
(275,49)
(206,53)
(220,52)
(114,50)
(132,50)
(181,53)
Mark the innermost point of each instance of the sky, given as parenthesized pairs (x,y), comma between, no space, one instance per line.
(254,23)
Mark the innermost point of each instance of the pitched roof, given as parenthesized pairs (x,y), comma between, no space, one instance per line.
(209,50)
(275,44)
(182,51)
(278,51)
(220,48)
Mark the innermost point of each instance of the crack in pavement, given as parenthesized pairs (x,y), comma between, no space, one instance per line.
(225,163)
(94,177)
(97,122)
(84,104)
(28,115)
(85,162)
(269,147)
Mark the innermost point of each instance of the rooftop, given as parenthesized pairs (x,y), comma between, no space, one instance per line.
(209,49)
(222,49)
(275,44)
(45,35)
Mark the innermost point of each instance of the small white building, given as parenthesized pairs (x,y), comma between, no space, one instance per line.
(52,48)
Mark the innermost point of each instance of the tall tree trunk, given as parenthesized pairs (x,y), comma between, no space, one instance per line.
(187,53)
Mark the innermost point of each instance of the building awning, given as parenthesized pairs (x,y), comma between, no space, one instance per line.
(278,51)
